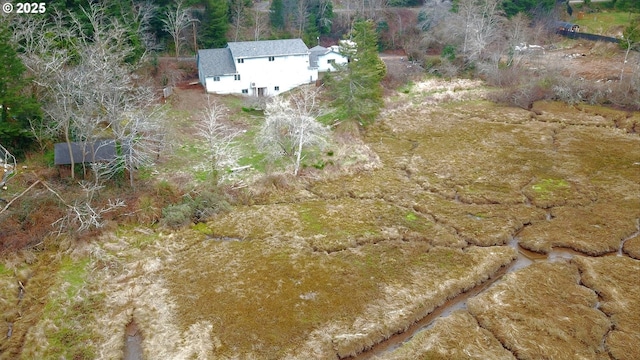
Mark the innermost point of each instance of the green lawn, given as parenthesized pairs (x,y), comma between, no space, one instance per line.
(604,23)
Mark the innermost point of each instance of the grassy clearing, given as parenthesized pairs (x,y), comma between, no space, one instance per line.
(604,22)
(130,279)
(443,342)
(543,312)
(616,280)
(449,153)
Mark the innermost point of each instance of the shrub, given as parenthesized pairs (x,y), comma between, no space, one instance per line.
(176,216)
(207,204)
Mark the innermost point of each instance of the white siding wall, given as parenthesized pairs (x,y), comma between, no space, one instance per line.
(226,85)
(285,72)
(323,61)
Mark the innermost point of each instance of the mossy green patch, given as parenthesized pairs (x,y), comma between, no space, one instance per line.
(4,271)
(202,228)
(546,186)
(550,192)
(73,273)
(411,217)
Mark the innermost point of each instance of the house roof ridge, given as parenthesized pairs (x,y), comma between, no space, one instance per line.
(261,48)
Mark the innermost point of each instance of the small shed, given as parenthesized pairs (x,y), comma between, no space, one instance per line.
(567,26)
(85,152)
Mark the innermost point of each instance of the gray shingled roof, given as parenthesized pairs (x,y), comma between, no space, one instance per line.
(246,49)
(315,52)
(216,62)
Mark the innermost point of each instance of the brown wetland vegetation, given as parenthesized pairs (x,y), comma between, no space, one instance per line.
(425,206)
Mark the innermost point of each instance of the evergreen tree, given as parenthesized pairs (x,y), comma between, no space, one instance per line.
(276,14)
(215,24)
(16,107)
(311,32)
(357,90)
(322,10)
(627,5)
(513,7)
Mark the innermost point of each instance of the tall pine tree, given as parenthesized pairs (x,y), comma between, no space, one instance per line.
(215,24)
(276,14)
(357,90)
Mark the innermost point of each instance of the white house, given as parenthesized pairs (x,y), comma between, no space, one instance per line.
(256,68)
(324,58)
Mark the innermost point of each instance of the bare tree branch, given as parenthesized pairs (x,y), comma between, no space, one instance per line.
(175,22)
(8,166)
(291,127)
(220,139)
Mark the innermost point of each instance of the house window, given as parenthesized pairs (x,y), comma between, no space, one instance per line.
(245,91)
(331,61)
(277,88)
(272,58)
(240,61)
(236,77)
(216,78)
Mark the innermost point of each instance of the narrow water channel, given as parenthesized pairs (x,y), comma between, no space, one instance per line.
(524,259)
(133,342)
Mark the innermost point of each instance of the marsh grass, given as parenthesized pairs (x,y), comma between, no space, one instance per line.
(64,316)
(616,279)
(9,292)
(632,247)
(50,315)
(595,229)
(330,263)
(443,341)
(543,312)
(272,298)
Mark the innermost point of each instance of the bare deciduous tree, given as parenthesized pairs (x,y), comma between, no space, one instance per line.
(238,10)
(290,126)
(516,33)
(88,89)
(480,24)
(138,140)
(175,23)
(432,13)
(219,138)
(259,23)
(143,13)
(302,15)
(8,166)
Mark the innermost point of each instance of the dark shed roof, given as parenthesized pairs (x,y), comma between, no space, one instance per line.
(566,25)
(85,152)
